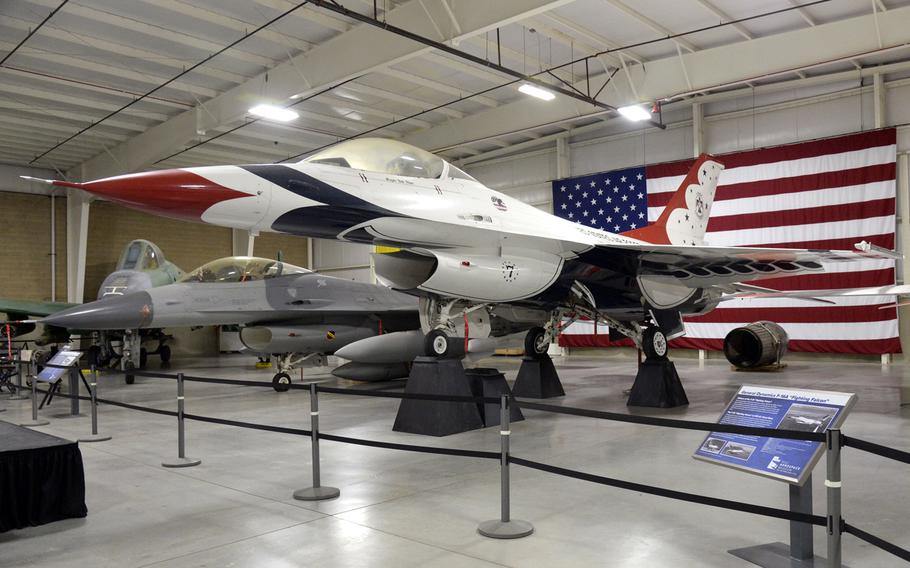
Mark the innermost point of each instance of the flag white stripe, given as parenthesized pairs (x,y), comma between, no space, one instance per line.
(810,331)
(852,301)
(857,228)
(797,200)
(789,168)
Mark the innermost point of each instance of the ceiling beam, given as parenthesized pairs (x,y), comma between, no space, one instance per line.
(724,17)
(803,12)
(635,14)
(722,66)
(348,55)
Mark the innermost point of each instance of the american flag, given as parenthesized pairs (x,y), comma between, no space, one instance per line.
(829,193)
(614,201)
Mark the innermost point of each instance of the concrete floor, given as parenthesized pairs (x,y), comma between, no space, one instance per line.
(408,509)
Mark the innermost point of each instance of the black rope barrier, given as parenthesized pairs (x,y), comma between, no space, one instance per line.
(411,447)
(878,449)
(673,423)
(249,425)
(405,395)
(901,553)
(673,494)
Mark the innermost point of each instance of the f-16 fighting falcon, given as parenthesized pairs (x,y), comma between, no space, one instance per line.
(483,263)
(285,310)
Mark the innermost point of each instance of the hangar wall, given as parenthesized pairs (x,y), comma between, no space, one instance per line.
(25,246)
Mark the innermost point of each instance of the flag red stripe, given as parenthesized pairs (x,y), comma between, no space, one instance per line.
(827,314)
(815,148)
(858,347)
(824,281)
(795,184)
(846,243)
(806,216)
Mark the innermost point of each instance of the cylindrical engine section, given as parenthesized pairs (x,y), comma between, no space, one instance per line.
(755,345)
(302,339)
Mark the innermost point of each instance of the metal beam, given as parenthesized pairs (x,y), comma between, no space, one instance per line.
(721,66)
(344,57)
(803,12)
(651,24)
(725,18)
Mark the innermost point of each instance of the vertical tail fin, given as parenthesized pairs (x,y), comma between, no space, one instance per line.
(685,218)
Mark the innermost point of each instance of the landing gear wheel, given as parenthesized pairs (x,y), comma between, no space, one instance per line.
(436,344)
(164,352)
(281,381)
(536,343)
(130,379)
(654,343)
(143,357)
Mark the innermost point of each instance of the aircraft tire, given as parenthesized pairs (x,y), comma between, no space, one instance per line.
(654,344)
(281,381)
(164,352)
(536,344)
(436,344)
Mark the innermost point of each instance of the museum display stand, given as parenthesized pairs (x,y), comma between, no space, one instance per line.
(444,377)
(657,385)
(537,378)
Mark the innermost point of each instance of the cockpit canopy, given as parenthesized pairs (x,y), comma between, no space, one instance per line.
(386,156)
(140,255)
(241,269)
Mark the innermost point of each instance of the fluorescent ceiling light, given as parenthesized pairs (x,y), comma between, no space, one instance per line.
(273,112)
(536,91)
(635,113)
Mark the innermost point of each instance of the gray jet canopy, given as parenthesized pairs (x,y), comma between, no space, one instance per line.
(242,269)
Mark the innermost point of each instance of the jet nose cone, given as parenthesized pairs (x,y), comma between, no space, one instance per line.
(173,193)
(114,312)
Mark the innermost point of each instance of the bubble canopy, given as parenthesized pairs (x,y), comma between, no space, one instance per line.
(242,269)
(385,156)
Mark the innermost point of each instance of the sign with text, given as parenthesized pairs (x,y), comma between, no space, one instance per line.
(783,409)
(65,360)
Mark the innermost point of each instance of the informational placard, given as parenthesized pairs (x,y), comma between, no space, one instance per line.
(65,360)
(783,409)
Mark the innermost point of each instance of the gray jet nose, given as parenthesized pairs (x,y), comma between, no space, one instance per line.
(114,312)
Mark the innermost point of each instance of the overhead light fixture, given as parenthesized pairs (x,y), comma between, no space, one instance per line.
(635,113)
(273,112)
(537,92)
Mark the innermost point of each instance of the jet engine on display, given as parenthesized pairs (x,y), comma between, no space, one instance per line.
(756,345)
(483,264)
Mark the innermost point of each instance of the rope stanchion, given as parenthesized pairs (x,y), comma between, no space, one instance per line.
(894,549)
(182,460)
(93,392)
(35,421)
(877,449)
(673,494)
(317,492)
(505,527)
(833,487)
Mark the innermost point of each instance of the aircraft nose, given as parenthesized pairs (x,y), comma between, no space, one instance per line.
(114,312)
(180,194)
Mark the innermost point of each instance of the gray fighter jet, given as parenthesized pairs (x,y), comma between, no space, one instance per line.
(285,310)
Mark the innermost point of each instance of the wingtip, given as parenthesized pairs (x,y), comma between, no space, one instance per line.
(55,182)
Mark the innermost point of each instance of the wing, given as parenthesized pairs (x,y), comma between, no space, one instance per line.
(21,309)
(703,266)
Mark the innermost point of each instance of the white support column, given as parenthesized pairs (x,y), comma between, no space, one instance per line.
(242,242)
(77,209)
(310,263)
(563,158)
(878,90)
(903,243)
(698,129)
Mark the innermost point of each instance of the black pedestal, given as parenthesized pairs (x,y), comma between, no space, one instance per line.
(437,417)
(537,378)
(491,383)
(657,385)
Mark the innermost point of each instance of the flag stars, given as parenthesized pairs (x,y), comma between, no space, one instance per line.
(571,215)
(625,217)
(623,179)
(616,228)
(600,192)
(632,207)
(640,195)
(584,195)
(631,187)
(564,206)
(585,213)
(571,197)
(578,204)
(562,189)
(600,211)
(593,202)
(609,219)
(639,176)
(593,221)
(616,209)
(641,215)
(609,199)
(593,183)
(607,182)
(615,189)
(634,226)
(625,197)
(577,186)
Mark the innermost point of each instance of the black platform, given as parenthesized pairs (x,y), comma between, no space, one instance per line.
(491,383)
(41,478)
(437,417)
(657,385)
(537,378)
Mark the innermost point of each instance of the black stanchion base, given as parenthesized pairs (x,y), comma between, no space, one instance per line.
(491,383)
(505,529)
(317,493)
(437,417)
(657,385)
(182,462)
(537,378)
(777,555)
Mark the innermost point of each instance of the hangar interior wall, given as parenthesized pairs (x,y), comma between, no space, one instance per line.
(25,246)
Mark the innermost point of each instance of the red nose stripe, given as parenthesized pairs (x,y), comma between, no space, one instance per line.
(172,193)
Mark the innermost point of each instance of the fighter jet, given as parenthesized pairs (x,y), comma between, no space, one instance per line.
(284,309)
(485,264)
(141,266)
